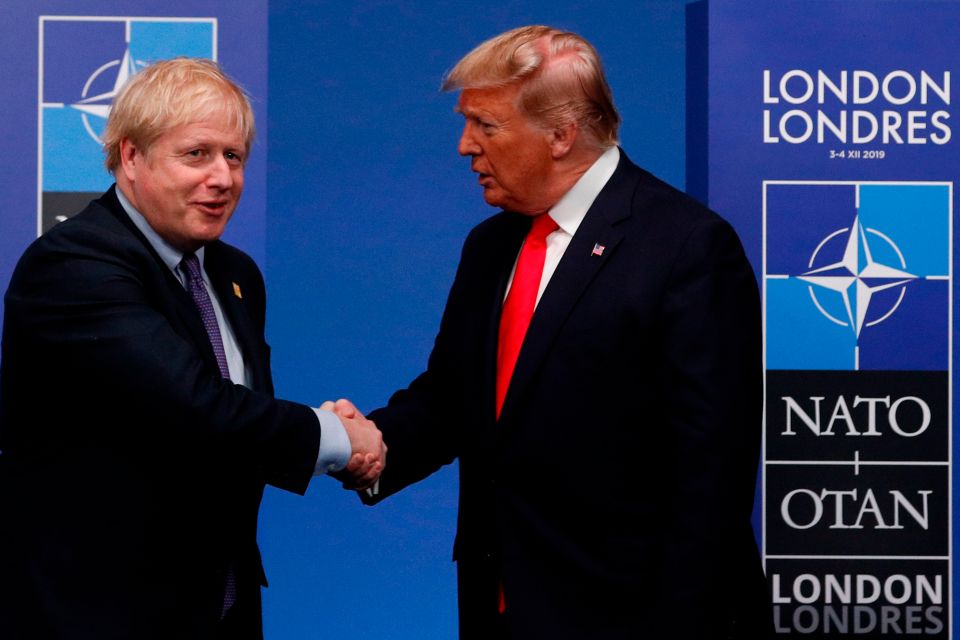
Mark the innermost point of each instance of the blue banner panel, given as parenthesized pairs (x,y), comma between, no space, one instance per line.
(831,146)
(84,62)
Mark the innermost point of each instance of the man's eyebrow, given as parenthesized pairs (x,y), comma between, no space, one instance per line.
(472,112)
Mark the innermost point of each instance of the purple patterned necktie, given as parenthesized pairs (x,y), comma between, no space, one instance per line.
(190,266)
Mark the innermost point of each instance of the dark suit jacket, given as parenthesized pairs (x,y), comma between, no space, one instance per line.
(613,496)
(131,472)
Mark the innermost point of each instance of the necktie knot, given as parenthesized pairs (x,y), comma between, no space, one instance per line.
(543,225)
(191,266)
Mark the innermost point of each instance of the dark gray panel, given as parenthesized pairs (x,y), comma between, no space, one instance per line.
(60,205)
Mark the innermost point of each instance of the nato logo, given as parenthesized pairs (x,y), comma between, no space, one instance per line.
(84,61)
(857,275)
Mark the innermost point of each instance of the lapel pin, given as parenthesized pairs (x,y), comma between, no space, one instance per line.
(236,289)
(597,250)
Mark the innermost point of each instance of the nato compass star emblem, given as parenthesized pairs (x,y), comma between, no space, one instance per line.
(113,74)
(857,277)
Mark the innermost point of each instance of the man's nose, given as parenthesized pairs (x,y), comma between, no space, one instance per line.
(220,175)
(468,145)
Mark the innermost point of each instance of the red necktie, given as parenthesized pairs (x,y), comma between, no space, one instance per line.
(517,312)
(521,301)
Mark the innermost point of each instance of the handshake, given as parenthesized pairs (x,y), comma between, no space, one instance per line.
(368,451)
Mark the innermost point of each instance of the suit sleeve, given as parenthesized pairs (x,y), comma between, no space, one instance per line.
(91,309)
(712,355)
(423,424)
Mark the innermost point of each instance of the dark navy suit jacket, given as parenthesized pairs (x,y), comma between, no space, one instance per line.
(612,499)
(131,472)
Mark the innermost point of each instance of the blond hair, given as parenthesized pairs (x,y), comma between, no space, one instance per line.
(168,94)
(562,80)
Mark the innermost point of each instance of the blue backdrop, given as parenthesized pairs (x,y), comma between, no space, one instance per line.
(368,206)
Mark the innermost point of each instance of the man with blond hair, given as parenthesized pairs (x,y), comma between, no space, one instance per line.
(596,373)
(138,425)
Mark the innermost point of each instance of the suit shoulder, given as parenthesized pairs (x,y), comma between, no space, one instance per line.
(94,234)
(677,226)
(667,216)
(94,220)
(654,194)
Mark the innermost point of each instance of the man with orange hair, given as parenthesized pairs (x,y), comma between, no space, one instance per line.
(138,425)
(597,373)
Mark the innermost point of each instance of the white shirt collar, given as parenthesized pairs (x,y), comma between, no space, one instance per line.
(569,212)
(170,255)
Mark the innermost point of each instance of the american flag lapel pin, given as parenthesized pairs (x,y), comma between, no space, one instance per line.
(597,250)
(239,294)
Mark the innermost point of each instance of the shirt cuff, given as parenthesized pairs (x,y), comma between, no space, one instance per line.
(335,447)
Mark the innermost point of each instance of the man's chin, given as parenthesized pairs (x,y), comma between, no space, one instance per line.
(493,198)
(201,237)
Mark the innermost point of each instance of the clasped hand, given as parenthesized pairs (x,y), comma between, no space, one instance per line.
(369,453)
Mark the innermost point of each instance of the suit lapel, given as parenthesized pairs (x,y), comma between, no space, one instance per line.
(231,302)
(578,267)
(178,302)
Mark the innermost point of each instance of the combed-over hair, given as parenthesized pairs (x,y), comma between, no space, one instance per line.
(562,79)
(171,93)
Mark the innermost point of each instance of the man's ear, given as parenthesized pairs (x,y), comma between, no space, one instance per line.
(130,158)
(561,140)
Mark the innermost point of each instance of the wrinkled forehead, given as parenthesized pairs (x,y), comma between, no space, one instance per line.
(500,101)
